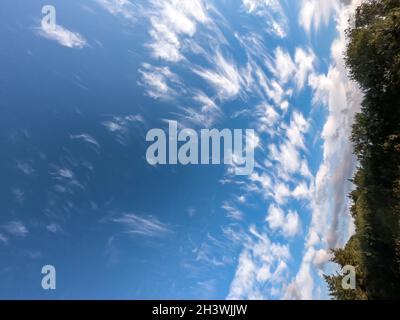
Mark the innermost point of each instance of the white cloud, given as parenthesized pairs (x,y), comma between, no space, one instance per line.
(16,228)
(121,126)
(287,154)
(264,181)
(65,173)
(132,118)
(253,43)
(281,192)
(66,178)
(288,224)
(284,68)
(203,116)
(171,22)
(212,252)
(63,36)
(321,258)
(312,239)
(244,283)
(276,217)
(18,194)
(297,128)
(267,117)
(207,104)
(304,65)
(232,212)
(124,8)
(191,211)
(259,260)
(272,13)
(225,77)
(301,288)
(252,141)
(25,167)
(271,88)
(292,224)
(302,191)
(315,12)
(113,126)
(3,239)
(148,226)
(198,118)
(86,138)
(305,170)
(159,82)
(178,19)
(166,44)
(54,227)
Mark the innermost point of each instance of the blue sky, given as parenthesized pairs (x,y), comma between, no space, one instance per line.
(76,189)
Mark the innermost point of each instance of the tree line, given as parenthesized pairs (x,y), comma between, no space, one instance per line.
(373,60)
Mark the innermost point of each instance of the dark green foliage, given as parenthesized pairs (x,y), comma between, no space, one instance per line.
(373,59)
